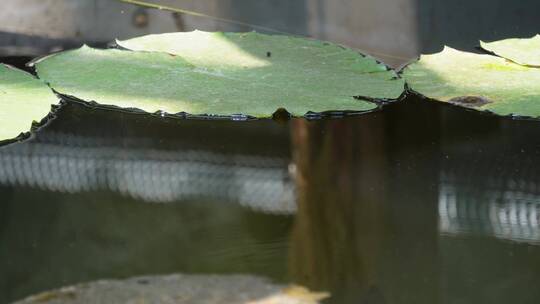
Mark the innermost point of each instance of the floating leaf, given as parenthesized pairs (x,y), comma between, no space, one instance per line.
(482,82)
(222,74)
(23,99)
(521,51)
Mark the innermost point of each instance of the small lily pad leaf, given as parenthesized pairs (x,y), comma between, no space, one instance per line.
(482,82)
(23,100)
(223,74)
(521,51)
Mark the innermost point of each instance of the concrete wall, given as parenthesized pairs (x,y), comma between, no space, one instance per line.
(35,27)
(59,23)
(461,23)
(392,30)
(383,28)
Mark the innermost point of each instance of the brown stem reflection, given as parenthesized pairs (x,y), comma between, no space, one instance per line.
(348,236)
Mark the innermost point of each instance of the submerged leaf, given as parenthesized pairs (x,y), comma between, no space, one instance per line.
(23,99)
(180,289)
(482,82)
(222,74)
(518,50)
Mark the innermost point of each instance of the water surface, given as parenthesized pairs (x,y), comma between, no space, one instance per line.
(419,203)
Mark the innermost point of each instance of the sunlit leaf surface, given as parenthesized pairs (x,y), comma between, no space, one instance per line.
(23,99)
(222,74)
(483,82)
(521,51)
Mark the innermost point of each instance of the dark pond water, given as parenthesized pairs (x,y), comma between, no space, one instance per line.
(418,203)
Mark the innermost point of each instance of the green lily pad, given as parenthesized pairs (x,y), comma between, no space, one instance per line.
(482,82)
(222,74)
(521,51)
(23,100)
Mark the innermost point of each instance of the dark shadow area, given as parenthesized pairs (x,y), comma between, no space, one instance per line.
(366,220)
(31,45)
(21,45)
(461,24)
(18,62)
(282,15)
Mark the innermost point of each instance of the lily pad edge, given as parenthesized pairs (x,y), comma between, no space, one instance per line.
(35,126)
(379,105)
(484,46)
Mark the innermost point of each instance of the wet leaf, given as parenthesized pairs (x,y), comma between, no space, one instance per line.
(483,82)
(222,74)
(521,51)
(23,99)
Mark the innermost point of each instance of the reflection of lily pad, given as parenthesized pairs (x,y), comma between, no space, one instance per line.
(483,82)
(23,99)
(222,74)
(521,51)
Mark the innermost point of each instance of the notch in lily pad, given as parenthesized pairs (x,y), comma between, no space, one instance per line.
(223,74)
(25,103)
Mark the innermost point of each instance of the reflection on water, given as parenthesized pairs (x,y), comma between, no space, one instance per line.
(71,164)
(488,183)
(507,214)
(418,203)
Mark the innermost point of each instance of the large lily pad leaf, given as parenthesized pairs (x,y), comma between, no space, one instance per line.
(521,51)
(23,100)
(483,82)
(222,74)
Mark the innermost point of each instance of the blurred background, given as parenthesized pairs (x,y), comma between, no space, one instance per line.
(392,30)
